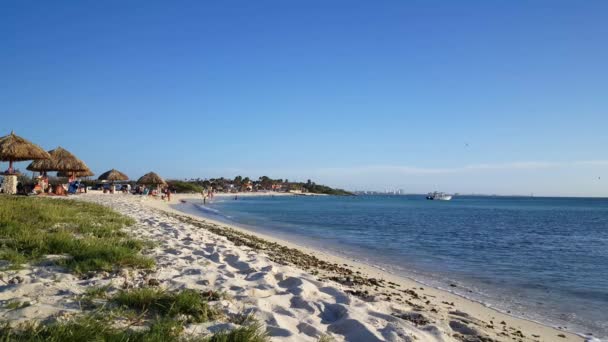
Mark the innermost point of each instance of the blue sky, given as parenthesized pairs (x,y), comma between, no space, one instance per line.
(468,96)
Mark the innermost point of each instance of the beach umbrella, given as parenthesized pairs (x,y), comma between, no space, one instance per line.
(14,148)
(61,160)
(113,176)
(151,178)
(87,173)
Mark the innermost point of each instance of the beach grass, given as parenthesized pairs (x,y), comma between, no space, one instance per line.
(187,303)
(170,312)
(326,338)
(249,333)
(95,327)
(16,304)
(98,328)
(84,236)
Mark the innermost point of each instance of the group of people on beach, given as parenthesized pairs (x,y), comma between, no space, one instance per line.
(42,186)
(165,193)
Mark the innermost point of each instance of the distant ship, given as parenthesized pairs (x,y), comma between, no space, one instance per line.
(438,196)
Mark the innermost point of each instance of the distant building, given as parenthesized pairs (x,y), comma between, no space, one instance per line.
(247,186)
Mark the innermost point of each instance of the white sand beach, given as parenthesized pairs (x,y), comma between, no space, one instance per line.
(363,304)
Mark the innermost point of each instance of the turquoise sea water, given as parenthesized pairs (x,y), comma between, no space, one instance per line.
(542,258)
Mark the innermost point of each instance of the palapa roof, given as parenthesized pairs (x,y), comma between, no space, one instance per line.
(61,160)
(15,148)
(151,178)
(113,175)
(87,173)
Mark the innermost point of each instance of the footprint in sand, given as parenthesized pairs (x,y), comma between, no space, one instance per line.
(298,302)
(277,331)
(307,329)
(331,312)
(173,251)
(353,331)
(189,258)
(192,271)
(235,262)
(290,282)
(215,257)
(339,296)
(283,311)
(257,276)
(463,328)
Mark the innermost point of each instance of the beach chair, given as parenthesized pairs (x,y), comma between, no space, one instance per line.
(73,188)
(144,194)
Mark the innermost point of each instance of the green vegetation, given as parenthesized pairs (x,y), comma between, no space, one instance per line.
(15,304)
(263,183)
(98,327)
(326,338)
(94,327)
(186,303)
(88,237)
(249,333)
(87,299)
(167,314)
(184,187)
(97,292)
(323,189)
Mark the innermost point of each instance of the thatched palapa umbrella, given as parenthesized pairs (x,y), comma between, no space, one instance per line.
(87,173)
(151,178)
(14,148)
(113,176)
(61,160)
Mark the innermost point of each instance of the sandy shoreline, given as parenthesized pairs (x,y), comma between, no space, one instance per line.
(298,293)
(438,298)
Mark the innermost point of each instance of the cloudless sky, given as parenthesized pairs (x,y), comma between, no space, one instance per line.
(462,96)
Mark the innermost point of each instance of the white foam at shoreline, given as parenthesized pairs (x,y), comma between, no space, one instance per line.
(205,208)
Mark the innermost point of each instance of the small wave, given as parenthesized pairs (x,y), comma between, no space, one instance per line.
(207,209)
(592,339)
(213,214)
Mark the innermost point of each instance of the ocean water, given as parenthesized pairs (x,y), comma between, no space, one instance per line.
(545,259)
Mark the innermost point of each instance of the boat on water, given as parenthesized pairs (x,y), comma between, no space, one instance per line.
(438,196)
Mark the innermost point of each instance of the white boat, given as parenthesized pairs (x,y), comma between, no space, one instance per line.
(438,196)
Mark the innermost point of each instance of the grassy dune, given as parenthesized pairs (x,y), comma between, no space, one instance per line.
(88,237)
(99,328)
(163,313)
